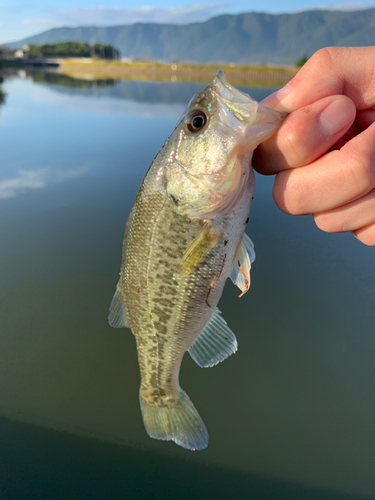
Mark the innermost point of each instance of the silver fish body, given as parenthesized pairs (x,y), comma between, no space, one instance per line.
(184,237)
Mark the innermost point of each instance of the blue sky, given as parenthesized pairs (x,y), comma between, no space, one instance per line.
(21,18)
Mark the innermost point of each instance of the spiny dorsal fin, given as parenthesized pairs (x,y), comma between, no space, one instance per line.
(199,248)
(243,259)
(118,317)
(215,343)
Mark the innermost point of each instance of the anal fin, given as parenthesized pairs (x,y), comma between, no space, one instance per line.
(215,343)
(243,259)
(118,317)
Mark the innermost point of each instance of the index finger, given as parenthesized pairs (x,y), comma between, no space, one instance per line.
(349,71)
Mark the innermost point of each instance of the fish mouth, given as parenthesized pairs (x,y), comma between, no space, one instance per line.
(236,110)
(224,89)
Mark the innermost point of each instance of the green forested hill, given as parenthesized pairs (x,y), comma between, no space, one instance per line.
(244,38)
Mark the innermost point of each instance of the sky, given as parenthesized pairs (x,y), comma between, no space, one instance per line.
(22,18)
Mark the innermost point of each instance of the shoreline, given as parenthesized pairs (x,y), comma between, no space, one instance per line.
(261,75)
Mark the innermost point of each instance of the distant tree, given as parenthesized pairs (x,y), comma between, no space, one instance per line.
(105,51)
(72,49)
(5,53)
(301,61)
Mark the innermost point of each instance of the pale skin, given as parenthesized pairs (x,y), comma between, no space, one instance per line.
(323,154)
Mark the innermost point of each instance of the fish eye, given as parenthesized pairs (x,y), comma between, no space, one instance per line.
(196,121)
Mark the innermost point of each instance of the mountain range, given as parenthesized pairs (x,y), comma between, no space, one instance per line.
(249,38)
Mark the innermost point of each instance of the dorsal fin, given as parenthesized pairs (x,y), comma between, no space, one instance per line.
(215,342)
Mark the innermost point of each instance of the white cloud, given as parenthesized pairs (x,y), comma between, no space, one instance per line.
(344,6)
(27,180)
(105,16)
(351,6)
(37,23)
(15,9)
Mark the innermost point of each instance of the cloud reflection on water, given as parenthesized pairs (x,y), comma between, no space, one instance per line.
(27,180)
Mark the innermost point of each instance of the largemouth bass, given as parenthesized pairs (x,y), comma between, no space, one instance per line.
(184,237)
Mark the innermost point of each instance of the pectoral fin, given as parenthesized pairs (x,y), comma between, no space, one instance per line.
(215,343)
(200,247)
(243,259)
(118,317)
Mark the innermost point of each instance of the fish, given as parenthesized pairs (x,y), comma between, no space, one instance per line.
(183,238)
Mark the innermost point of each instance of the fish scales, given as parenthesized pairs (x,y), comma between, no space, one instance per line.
(159,302)
(184,237)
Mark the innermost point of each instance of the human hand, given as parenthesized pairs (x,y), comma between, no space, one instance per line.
(323,155)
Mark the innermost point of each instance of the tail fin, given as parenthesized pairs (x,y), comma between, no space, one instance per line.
(179,422)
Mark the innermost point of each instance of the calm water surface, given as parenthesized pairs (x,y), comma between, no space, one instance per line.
(291,415)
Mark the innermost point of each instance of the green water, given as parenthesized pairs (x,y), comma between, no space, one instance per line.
(291,415)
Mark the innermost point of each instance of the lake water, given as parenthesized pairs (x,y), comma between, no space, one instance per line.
(291,415)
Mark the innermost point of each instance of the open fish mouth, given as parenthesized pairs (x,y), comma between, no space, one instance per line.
(246,116)
(237,110)
(223,88)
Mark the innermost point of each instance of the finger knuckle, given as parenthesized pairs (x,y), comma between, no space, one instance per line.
(362,169)
(327,56)
(323,57)
(294,145)
(288,140)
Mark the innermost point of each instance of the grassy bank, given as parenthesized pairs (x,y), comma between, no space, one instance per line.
(148,70)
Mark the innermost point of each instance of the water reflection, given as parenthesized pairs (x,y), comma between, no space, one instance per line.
(67,81)
(2,93)
(132,90)
(136,98)
(35,179)
(61,466)
(295,403)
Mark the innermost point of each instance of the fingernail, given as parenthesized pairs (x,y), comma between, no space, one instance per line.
(337,116)
(274,100)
